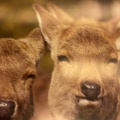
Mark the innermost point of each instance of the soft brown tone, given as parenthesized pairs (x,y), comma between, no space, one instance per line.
(84,83)
(18,60)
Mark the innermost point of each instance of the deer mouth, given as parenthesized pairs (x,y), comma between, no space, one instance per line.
(84,102)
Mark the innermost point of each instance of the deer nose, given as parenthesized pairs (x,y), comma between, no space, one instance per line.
(90,90)
(7,109)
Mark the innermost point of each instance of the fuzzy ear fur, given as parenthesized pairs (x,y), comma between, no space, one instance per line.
(35,43)
(49,26)
(59,13)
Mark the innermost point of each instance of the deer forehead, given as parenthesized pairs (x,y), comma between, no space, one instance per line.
(14,50)
(12,47)
(85,41)
(14,55)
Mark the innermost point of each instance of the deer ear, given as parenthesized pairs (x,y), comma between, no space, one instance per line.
(59,14)
(34,44)
(49,26)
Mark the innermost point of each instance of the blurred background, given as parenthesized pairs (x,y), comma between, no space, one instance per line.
(17,19)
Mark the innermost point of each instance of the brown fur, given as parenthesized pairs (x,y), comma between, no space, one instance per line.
(66,19)
(81,53)
(18,60)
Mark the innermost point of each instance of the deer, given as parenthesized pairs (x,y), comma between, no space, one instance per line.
(67,19)
(109,25)
(18,60)
(85,79)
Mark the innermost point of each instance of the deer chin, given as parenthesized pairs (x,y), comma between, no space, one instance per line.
(84,102)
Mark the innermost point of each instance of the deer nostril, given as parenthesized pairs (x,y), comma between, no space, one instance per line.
(7,109)
(90,90)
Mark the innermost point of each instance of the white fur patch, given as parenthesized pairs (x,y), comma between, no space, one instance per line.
(85,102)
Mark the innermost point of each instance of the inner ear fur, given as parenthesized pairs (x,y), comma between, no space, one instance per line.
(50,27)
(60,14)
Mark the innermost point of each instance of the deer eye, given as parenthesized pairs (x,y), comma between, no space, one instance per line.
(113,60)
(29,76)
(32,76)
(63,58)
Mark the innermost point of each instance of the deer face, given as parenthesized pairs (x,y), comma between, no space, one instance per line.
(17,72)
(84,85)
(85,76)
